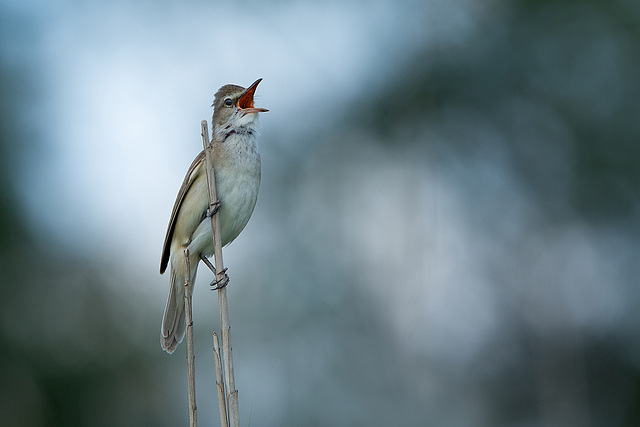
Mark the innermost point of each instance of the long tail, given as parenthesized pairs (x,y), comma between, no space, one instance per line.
(174,319)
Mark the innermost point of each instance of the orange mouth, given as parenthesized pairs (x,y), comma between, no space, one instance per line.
(245,103)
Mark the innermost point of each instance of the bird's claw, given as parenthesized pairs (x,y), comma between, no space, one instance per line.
(213,208)
(216,285)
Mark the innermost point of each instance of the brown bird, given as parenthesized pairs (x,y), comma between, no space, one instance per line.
(236,162)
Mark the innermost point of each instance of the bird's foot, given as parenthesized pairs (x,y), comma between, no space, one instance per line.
(208,263)
(216,285)
(213,208)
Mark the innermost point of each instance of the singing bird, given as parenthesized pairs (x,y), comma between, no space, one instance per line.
(236,162)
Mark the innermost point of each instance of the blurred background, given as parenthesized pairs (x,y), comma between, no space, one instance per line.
(447,231)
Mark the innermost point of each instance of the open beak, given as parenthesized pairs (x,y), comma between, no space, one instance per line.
(245,103)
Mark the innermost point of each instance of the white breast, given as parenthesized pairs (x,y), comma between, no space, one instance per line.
(237,184)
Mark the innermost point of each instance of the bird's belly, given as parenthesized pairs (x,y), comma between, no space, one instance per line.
(238,196)
(238,193)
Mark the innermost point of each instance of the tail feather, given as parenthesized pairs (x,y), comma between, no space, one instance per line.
(174,319)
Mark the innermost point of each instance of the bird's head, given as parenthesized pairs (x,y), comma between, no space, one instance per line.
(233,107)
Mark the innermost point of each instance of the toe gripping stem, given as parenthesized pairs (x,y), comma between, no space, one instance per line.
(213,208)
(216,285)
(219,283)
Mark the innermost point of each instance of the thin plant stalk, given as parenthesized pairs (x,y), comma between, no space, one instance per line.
(224,422)
(191,358)
(230,386)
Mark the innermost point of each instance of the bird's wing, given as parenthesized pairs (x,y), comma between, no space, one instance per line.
(186,184)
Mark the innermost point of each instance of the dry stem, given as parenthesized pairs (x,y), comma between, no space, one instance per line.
(191,358)
(224,422)
(232,393)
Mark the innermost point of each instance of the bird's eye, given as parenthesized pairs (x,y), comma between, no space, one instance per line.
(228,102)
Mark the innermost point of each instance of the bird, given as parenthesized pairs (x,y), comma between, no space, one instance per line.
(237,166)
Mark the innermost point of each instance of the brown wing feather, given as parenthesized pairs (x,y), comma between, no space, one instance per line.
(186,184)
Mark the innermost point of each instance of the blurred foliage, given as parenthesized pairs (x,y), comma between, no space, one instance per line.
(67,356)
(566,67)
(554,84)
(557,86)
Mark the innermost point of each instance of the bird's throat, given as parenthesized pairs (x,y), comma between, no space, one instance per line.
(244,131)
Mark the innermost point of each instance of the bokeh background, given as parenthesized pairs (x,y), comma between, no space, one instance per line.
(447,232)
